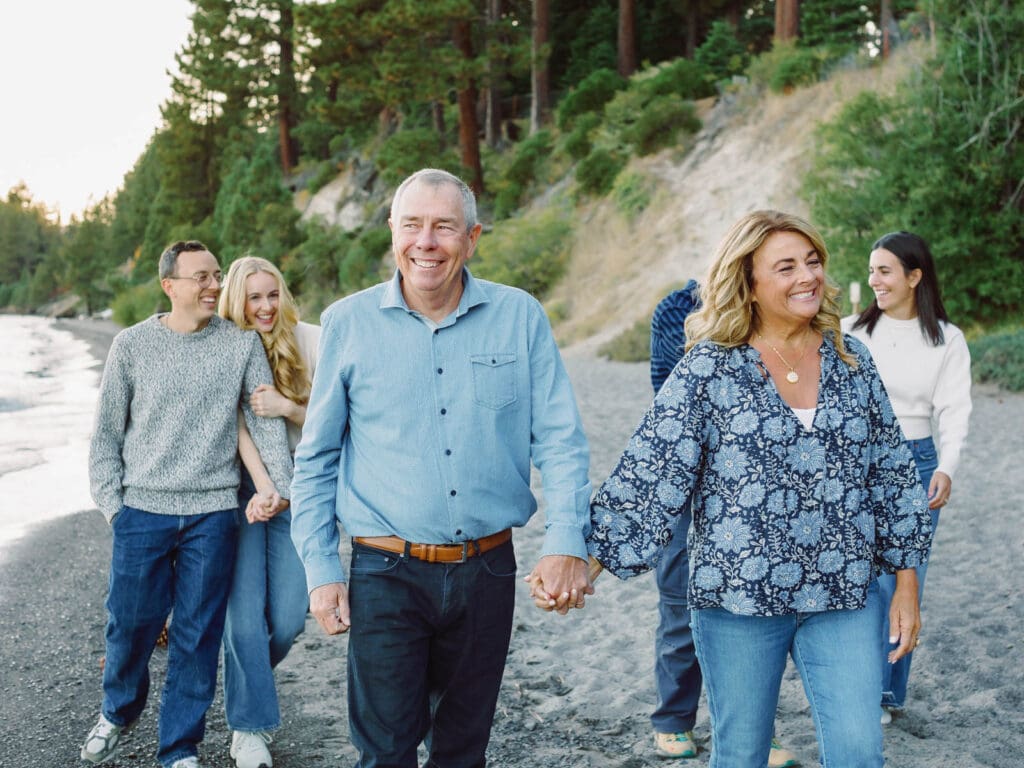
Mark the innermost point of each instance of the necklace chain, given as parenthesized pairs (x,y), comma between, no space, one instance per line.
(792,377)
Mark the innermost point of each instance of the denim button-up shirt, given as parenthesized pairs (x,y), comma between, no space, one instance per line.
(426,431)
(785,519)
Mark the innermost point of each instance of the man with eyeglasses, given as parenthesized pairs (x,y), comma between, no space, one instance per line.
(164,471)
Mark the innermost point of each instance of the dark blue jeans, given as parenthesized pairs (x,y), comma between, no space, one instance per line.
(426,653)
(676,671)
(896,676)
(160,562)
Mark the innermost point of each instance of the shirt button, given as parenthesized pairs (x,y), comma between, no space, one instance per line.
(440,370)
(458,531)
(444,411)
(453,492)
(447,451)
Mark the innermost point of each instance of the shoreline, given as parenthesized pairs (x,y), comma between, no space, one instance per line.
(577,690)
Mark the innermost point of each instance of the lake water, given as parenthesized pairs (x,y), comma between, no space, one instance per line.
(48,390)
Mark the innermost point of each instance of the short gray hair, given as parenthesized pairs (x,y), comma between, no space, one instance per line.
(435,177)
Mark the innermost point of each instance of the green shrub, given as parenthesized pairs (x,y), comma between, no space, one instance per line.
(596,173)
(721,52)
(999,359)
(659,124)
(405,152)
(325,174)
(362,264)
(680,77)
(578,142)
(527,160)
(633,345)
(786,66)
(138,302)
(631,193)
(529,252)
(593,92)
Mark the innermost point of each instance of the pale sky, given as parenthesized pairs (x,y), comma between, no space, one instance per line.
(81,84)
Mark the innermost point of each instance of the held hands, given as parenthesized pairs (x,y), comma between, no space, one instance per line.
(561,582)
(263,506)
(267,402)
(329,605)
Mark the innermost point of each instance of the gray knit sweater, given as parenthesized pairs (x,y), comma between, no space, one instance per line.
(166,431)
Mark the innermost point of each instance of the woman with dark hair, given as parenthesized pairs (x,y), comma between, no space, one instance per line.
(926,368)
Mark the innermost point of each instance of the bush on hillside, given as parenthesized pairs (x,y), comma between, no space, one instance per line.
(999,359)
(680,77)
(631,193)
(787,66)
(596,173)
(593,92)
(527,161)
(633,345)
(529,252)
(721,52)
(660,123)
(578,142)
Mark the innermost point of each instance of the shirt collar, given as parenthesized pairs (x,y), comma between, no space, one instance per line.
(473,294)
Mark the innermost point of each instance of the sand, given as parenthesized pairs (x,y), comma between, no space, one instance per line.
(578,689)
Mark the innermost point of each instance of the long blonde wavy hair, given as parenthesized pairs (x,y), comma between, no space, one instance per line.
(290,375)
(728,314)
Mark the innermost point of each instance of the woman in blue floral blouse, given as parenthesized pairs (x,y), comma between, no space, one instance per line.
(780,430)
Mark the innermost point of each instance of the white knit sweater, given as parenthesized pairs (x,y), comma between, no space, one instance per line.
(929,386)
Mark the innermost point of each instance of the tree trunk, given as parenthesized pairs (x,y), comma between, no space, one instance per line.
(692,20)
(733,13)
(627,37)
(469,130)
(286,88)
(541,102)
(885,22)
(495,70)
(787,19)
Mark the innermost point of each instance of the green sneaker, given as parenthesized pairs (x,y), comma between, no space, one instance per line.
(680,745)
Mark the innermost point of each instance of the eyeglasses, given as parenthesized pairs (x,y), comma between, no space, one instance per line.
(203,279)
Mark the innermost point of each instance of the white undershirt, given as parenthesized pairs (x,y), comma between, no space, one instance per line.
(806,416)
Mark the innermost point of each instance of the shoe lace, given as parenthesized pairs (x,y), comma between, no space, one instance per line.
(254,740)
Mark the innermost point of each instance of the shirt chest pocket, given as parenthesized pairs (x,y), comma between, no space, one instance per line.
(494,379)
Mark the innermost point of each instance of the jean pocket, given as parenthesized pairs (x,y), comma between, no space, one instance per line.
(500,562)
(368,560)
(494,379)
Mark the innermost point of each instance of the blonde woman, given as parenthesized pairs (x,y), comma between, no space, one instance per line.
(776,432)
(268,602)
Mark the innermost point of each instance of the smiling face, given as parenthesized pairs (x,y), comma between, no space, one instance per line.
(431,245)
(189,303)
(893,285)
(788,280)
(262,301)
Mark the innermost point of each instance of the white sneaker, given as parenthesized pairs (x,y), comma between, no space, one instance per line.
(249,749)
(102,742)
(186,762)
(886,716)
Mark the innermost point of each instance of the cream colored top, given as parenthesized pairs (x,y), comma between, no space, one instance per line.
(308,338)
(929,386)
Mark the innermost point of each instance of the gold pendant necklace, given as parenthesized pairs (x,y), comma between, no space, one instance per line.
(792,377)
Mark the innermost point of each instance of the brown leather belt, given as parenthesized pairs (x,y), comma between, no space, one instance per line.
(436,553)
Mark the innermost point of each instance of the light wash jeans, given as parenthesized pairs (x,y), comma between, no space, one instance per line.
(160,562)
(895,676)
(836,652)
(266,612)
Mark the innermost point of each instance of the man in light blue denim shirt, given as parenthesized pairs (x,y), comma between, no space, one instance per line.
(433,394)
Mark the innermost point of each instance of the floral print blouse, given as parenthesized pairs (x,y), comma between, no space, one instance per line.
(785,519)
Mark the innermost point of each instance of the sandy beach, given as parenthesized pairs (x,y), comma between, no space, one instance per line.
(578,689)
